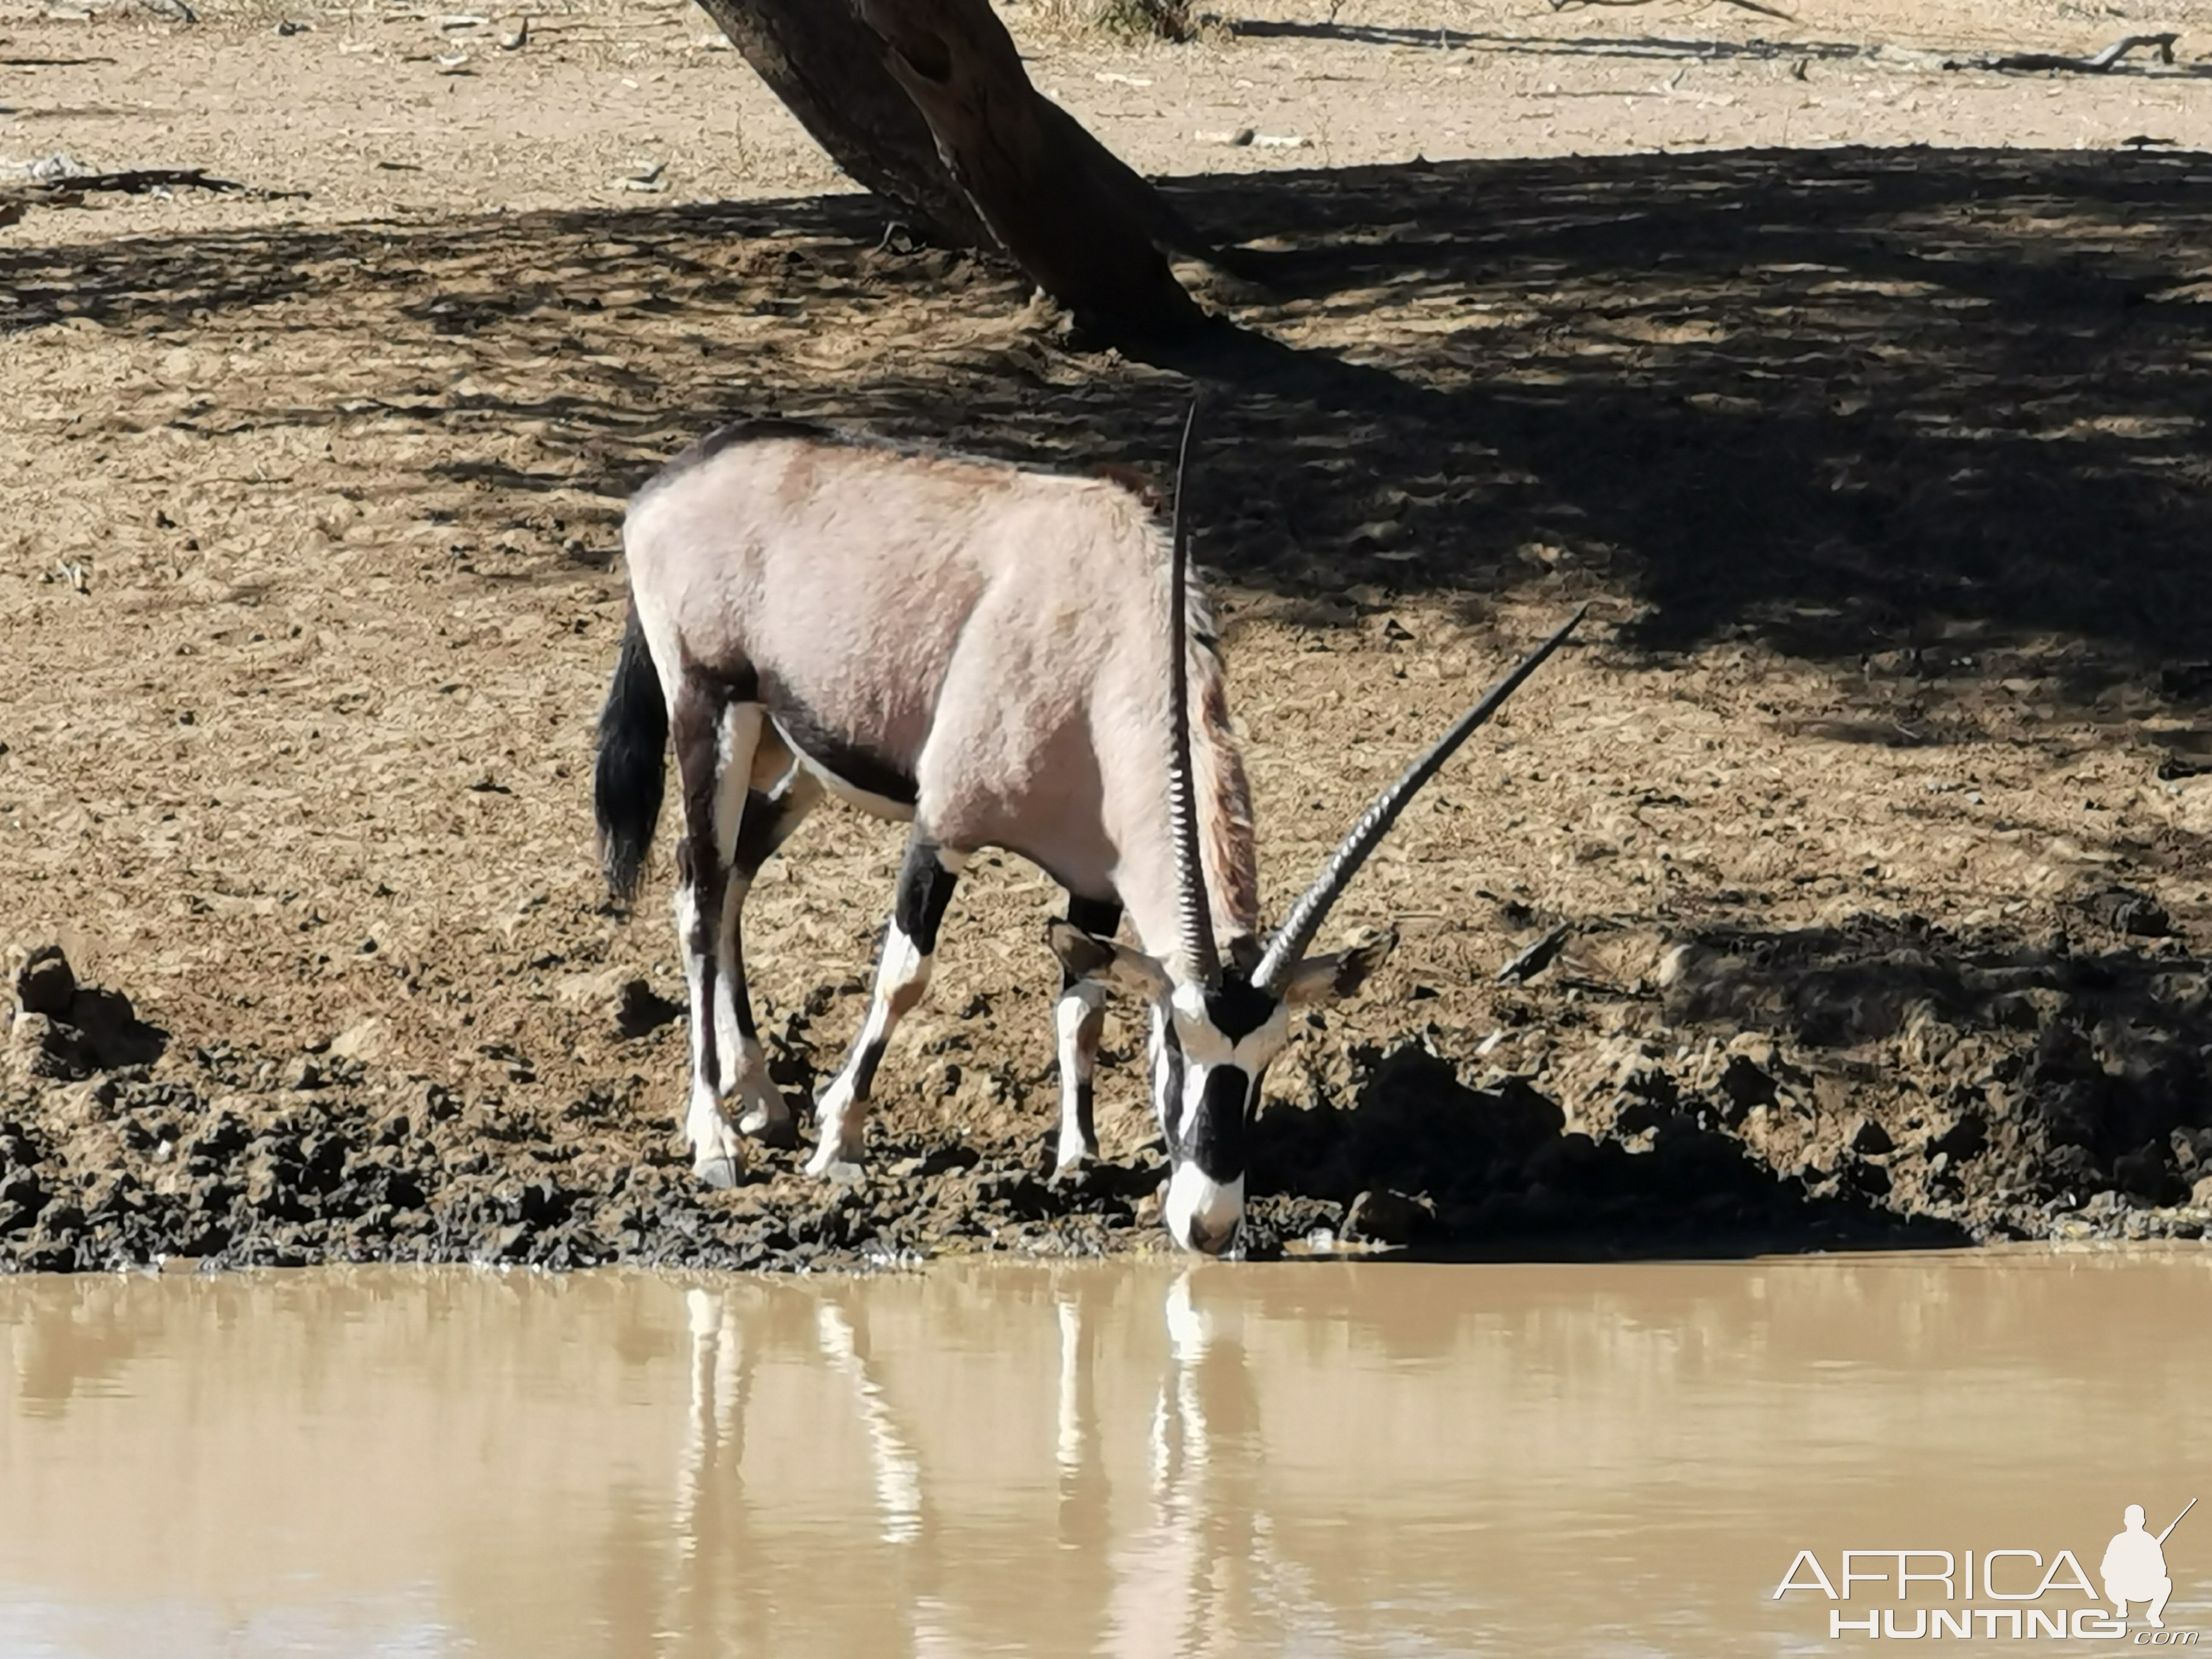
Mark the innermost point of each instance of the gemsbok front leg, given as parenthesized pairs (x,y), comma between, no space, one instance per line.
(924,888)
(1079,1018)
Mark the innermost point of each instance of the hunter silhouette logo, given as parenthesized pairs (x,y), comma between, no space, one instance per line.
(2014,1594)
(2133,1568)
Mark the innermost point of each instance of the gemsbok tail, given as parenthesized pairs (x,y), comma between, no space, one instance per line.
(627,780)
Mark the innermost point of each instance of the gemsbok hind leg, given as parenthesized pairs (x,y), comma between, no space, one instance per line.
(924,888)
(768,819)
(714,735)
(1078,1018)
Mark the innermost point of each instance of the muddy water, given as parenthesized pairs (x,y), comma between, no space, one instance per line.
(1293,1459)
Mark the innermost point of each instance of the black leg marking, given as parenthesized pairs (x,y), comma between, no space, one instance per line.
(1086,1123)
(863,1067)
(696,727)
(765,825)
(741,996)
(924,888)
(1100,918)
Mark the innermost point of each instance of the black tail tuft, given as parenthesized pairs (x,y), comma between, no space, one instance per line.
(627,783)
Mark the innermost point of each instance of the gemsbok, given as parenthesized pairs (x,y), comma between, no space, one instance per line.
(1005,658)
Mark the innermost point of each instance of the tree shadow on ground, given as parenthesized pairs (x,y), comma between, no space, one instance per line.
(2083,1064)
(1945,406)
(1423,1160)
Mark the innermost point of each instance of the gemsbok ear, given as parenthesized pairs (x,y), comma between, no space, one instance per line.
(1116,967)
(1338,974)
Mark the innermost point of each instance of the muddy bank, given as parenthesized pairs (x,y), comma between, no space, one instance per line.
(1875,1086)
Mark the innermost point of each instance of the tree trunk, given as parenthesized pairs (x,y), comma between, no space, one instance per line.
(926,103)
(828,68)
(1073,218)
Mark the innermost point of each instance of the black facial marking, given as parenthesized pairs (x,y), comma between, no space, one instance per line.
(806,733)
(1216,1141)
(1236,1009)
(1167,1083)
(924,888)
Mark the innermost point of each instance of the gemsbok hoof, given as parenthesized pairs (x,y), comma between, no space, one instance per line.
(770,1130)
(718,1170)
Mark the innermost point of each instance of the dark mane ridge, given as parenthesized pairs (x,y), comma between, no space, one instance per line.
(762,428)
(752,429)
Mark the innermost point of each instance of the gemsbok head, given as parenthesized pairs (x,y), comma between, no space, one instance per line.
(1003,658)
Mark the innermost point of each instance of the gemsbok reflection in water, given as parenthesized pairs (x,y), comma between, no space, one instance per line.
(1172,1581)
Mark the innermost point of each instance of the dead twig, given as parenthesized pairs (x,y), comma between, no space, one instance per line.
(2028,61)
(1534,960)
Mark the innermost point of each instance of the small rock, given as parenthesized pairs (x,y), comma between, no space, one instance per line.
(1967,1139)
(366,1040)
(2126,911)
(2144,1173)
(1382,1217)
(1744,1085)
(41,1047)
(2200,1197)
(2184,1143)
(642,1009)
(46,984)
(516,39)
(302,1072)
(1871,1140)
(59,165)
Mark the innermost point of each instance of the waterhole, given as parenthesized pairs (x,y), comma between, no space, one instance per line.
(1125,1459)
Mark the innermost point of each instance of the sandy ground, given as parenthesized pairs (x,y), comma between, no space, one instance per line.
(1861,395)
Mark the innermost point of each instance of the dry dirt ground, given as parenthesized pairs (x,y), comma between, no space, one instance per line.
(1861,390)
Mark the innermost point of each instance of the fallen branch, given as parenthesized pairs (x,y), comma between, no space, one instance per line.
(2103,61)
(70,190)
(1748,5)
